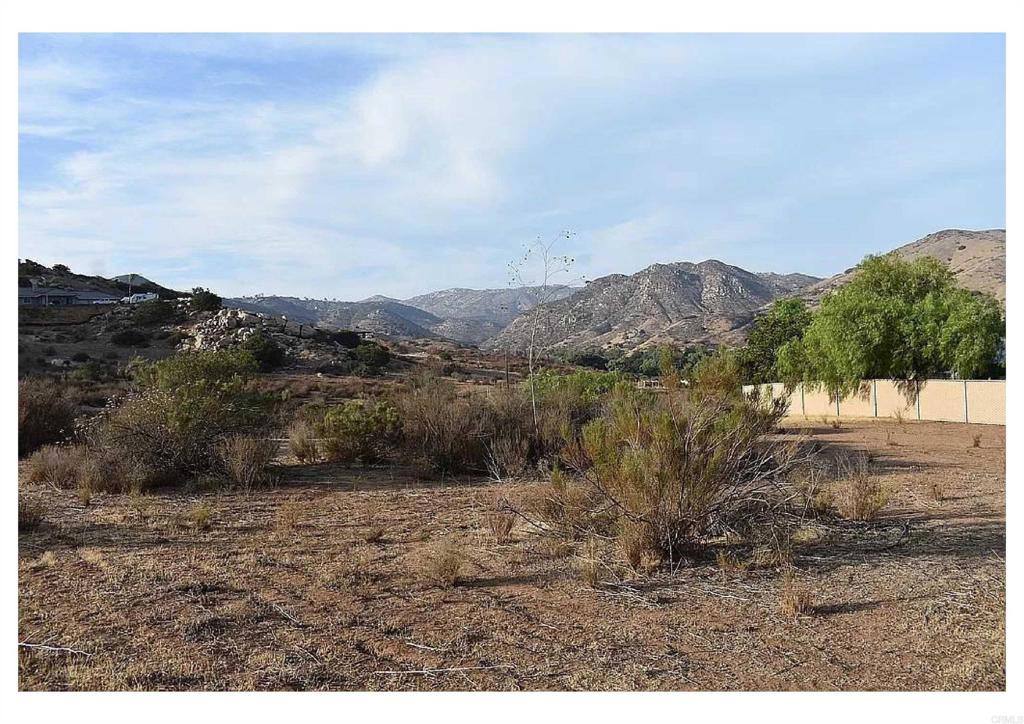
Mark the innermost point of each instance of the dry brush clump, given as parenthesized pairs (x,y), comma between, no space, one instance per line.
(58,465)
(441,428)
(670,472)
(247,460)
(859,495)
(443,563)
(46,414)
(302,442)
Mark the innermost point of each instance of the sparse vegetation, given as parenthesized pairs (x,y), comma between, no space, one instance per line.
(46,414)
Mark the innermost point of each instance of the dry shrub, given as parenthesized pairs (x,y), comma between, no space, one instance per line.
(58,465)
(46,414)
(289,515)
(445,430)
(795,598)
(443,562)
(247,459)
(500,525)
(976,441)
(302,442)
(200,515)
(589,564)
(30,514)
(731,562)
(508,455)
(634,542)
(681,468)
(105,472)
(859,496)
(564,505)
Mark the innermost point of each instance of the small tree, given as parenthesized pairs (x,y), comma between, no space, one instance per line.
(539,256)
(203,300)
(785,320)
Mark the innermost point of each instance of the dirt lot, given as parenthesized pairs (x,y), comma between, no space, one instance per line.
(319,584)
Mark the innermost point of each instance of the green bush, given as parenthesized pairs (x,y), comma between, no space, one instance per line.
(372,355)
(46,414)
(168,429)
(269,355)
(359,431)
(130,338)
(156,311)
(203,300)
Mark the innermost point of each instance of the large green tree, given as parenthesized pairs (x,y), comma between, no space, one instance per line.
(900,320)
(784,321)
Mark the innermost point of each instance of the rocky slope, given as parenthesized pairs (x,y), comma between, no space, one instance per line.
(464,315)
(678,303)
(977,258)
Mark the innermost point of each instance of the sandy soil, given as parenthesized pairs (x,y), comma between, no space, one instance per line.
(320,584)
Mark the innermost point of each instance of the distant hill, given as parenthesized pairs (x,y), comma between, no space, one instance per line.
(463,315)
(977,259)
(677,303)
(61,277)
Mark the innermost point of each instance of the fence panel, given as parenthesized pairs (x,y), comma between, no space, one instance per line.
(986,401)
(943,400)
(974,401)
(892,402)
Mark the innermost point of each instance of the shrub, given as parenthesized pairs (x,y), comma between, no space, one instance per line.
(441,428)
(46,414)
(269,355)
(443,563)
(168,429)
(246,459)
(200,515)
(30,515)
(129,338)
(156,311)
(302,442)
(203,300)
(104,471)
(80,357)
(359,431)
(372,355)
(500,524)
(55,464)
(859,496)
(675,470)
(346,338)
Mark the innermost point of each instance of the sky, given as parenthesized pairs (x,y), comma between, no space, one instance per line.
(342,166)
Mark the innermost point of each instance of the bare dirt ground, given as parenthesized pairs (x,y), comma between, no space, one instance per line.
(319,584)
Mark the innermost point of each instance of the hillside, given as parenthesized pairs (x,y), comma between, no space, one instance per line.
(677,303)
(977,258)
(463,315)
(60,277)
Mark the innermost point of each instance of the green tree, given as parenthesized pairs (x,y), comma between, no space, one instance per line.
(785,320)
(900,320)
(203,300)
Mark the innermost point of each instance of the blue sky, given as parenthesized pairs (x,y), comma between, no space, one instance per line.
(342,166)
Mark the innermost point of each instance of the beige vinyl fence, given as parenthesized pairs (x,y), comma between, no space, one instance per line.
(975,401)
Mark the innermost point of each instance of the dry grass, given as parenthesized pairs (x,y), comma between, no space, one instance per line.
(859,495)
(500,525)
(200,515)
(246,460)
(30,514)
(795,597)
(55,464)
(302,442)
(442,563)
(589,565)
(289,515)
(731,562)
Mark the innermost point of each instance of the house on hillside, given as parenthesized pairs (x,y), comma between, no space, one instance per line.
(52,297)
